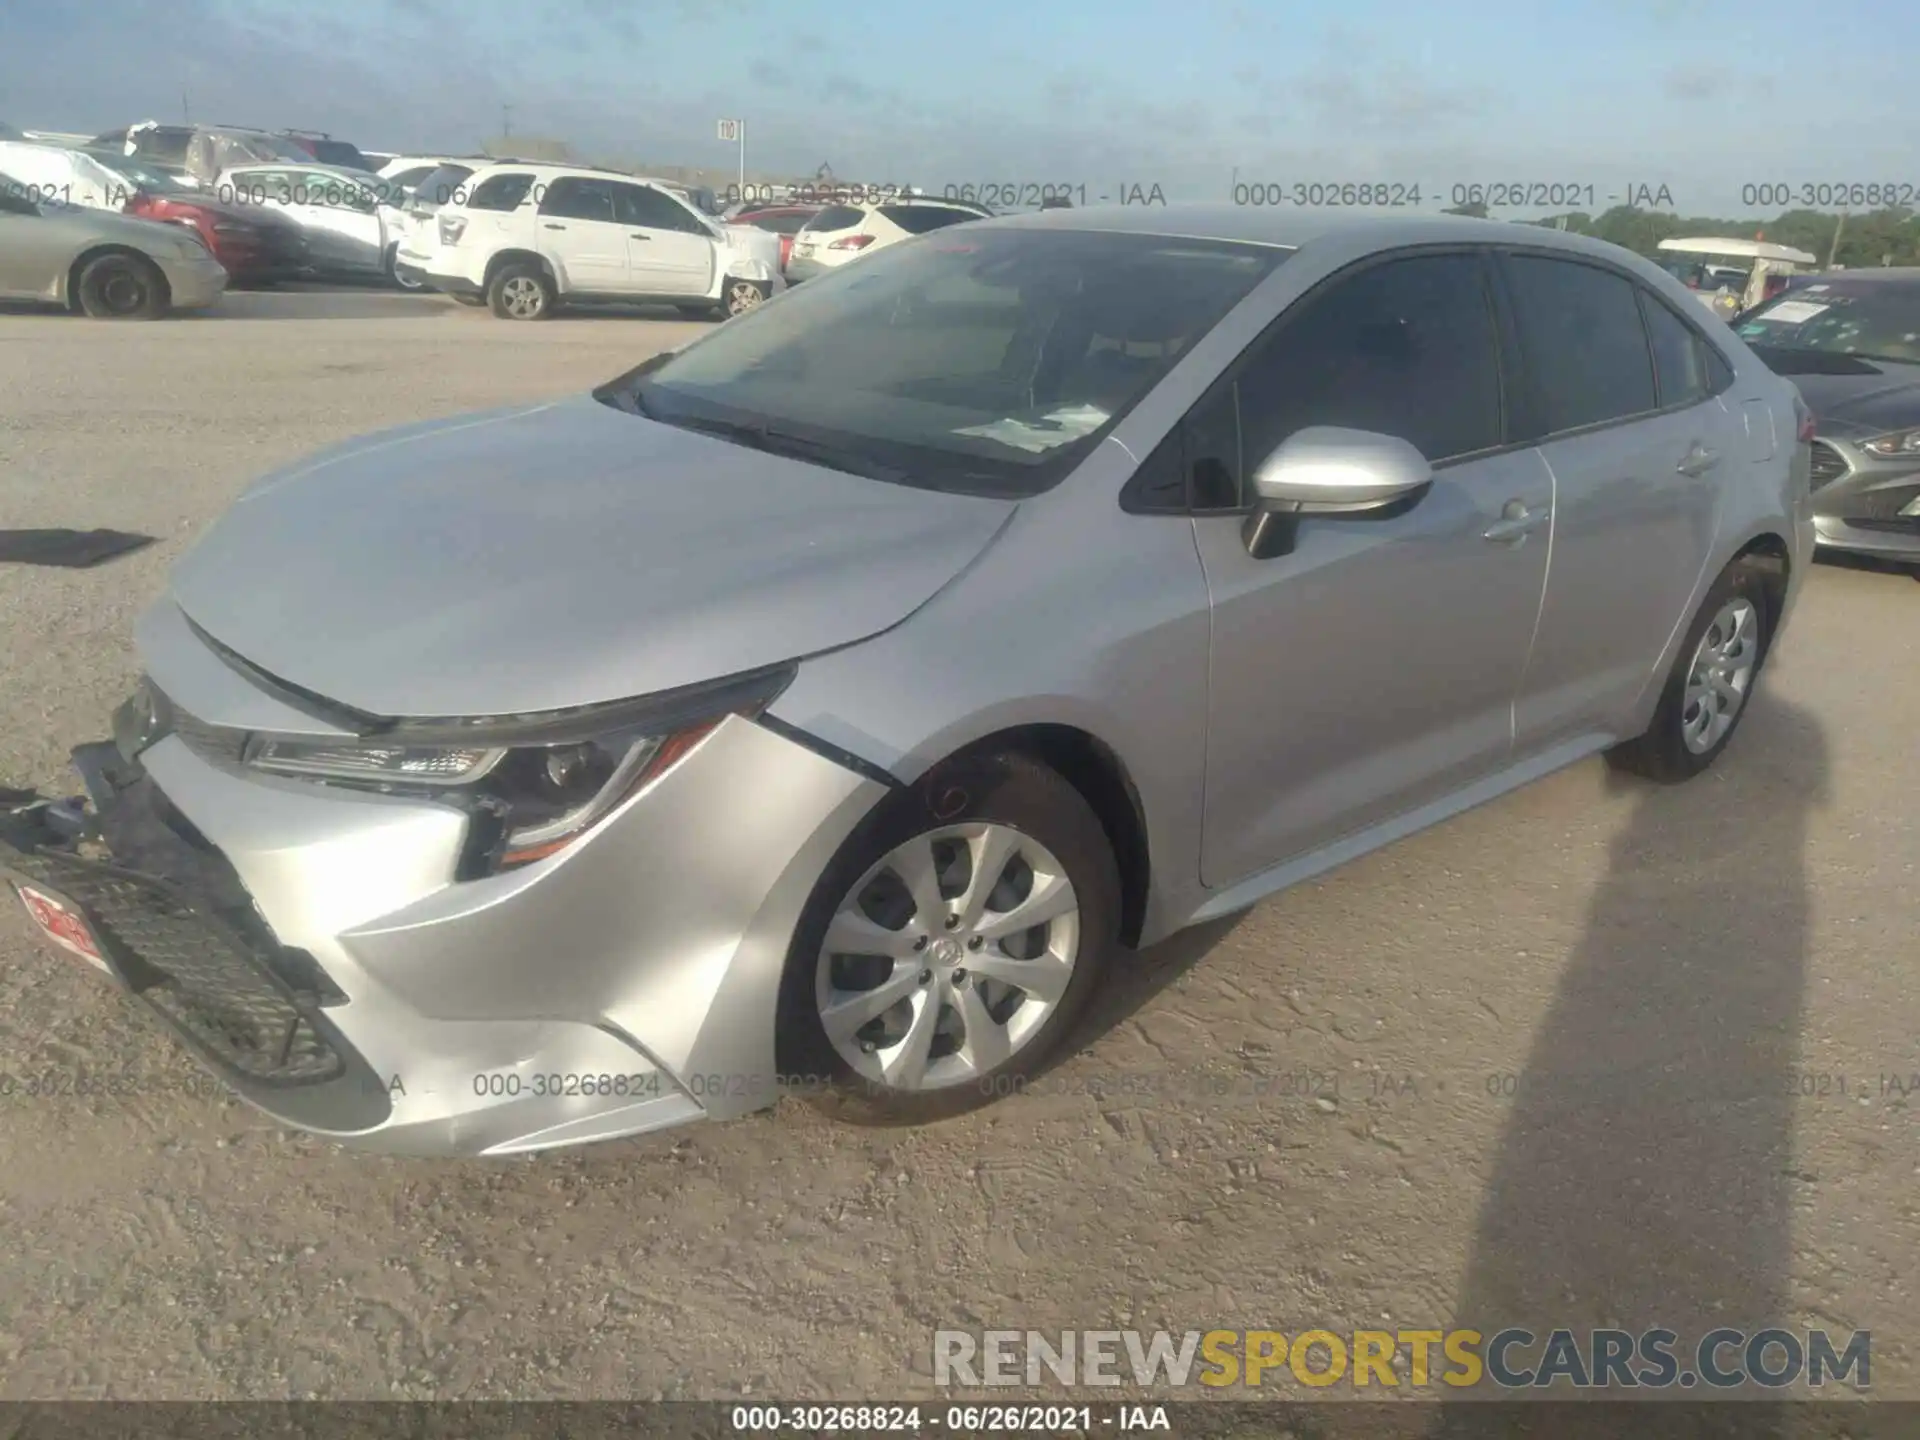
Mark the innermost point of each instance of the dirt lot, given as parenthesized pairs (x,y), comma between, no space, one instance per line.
(1592,1055)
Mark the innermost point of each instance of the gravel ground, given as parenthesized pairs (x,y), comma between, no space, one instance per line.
(1593,1054)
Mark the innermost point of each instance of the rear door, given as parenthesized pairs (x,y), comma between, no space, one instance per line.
(1638,456)
(670,250)
(579,234)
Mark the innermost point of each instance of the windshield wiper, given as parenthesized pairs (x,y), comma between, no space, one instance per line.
(765,438)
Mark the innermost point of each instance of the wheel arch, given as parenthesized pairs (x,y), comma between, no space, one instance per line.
(1096,770)
(1769,556)
(70,285)
(500,259)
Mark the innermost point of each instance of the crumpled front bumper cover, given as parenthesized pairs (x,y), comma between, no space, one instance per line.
(626,984)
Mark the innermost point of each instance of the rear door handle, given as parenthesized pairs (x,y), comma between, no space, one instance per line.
(552,226)
(1516,522)
(1698,460)
(639,237)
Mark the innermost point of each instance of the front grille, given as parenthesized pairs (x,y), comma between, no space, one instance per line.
(1828,464)
(196,969)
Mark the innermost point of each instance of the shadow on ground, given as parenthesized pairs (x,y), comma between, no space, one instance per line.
(1646,1177)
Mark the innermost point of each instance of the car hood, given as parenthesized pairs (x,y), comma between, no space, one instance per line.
(1852,399)
(557,555)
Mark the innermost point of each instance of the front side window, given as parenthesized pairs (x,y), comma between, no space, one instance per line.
(988,362)
(652,209)
(1584,345)
(500,192)
(1406,348)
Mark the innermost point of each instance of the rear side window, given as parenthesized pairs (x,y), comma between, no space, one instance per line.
(1584,345)
(1679,358)
(573,197)
(500,192)
(835,217)
(919,219)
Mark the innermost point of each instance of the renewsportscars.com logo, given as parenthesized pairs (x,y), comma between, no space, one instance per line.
(1512,1359)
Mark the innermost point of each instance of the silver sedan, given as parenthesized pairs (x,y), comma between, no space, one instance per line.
(99,263)
(835,697)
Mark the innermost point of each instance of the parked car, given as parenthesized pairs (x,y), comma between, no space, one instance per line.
(782,220)
(407,171)
(843,233)
(201,153)
(348,224)
(256,247)
(835,693)
(415,236)
(1851,343)
(527,238)
(321,146)
(1730,274)
(98,263)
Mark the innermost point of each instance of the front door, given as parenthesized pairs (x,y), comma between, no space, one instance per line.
(1374,668)
(670,250)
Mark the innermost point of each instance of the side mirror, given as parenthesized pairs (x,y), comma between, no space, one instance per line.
(1330,470)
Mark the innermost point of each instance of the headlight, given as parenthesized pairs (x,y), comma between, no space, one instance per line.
(1898,445)
(542,781)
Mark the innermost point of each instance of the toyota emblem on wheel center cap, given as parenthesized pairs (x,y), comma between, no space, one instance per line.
(946,952)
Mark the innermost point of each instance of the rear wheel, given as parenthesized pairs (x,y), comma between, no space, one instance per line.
(521,291)
(393,271)
(1710,685)
(122,287)
(951,946)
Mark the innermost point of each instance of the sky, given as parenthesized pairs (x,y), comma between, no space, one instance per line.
(1191,95)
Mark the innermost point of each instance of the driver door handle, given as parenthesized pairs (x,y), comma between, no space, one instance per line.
(552,226)
(1698,460)
(1516,522)
(637,236)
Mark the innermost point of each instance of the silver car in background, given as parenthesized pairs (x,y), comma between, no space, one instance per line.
(835,696)
(98,263)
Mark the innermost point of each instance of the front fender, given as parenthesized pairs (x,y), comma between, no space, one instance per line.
(745,267)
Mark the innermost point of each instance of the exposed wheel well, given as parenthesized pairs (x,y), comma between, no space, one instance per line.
(506,257)
(87,257)
(1096,772)
(1768,557)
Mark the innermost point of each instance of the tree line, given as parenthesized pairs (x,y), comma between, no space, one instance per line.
(1869,238)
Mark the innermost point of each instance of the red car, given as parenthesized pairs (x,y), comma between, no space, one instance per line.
(257,245)
(784,220)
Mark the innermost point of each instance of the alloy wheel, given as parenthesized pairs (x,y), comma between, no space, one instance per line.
(742,296)
(947,957)
(1722,674)
(524,297)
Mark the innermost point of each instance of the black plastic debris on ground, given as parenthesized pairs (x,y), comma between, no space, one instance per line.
(74,549)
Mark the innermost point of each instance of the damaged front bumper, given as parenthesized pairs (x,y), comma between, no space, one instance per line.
(312,946)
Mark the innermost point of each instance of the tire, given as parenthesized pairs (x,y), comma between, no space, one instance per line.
(1686,736)
(1011,801)
(120,286)
(393,271)
(739,296)
(521,291)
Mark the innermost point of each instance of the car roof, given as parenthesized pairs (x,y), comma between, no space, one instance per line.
(325,167)
(1293,229)
(547,170)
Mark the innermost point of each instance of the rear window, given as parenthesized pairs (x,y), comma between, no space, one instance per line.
(500,192)
(835,217)
(919,219)
(439,186)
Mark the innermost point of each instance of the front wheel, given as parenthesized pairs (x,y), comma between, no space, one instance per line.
(122,287)
(521,292)
(740,296)
(1710,685)
(952,944)
(393,271)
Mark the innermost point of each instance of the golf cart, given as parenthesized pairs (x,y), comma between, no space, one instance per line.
(1732,275)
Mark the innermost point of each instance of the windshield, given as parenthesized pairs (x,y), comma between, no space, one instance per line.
(1875,320)
(138,175)
(981,361)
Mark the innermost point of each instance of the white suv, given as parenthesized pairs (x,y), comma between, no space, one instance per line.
(843,233)
(524,239)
